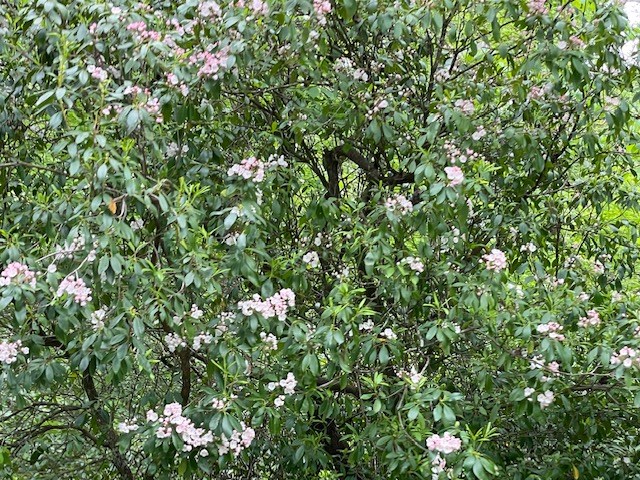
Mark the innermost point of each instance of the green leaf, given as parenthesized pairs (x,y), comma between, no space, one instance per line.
(138,326)
(350,8)
(413,413)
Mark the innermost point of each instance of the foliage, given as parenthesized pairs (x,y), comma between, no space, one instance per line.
(358,239)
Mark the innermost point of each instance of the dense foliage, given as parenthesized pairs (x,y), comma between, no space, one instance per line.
(292,240)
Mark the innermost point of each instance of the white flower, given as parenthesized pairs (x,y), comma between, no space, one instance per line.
(312,259)
(545,399)
(389,334)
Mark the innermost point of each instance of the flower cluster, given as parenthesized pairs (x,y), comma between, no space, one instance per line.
(322,8)
(9,351)
(275,306)
(209,9)
(538,7)
(97,319)
(529,248)
(389,334)
(137,224)
(380,105)
(232,238)
(18,274)
(446,443)
(224,320)
(173,341)
(288,384)
(78,243)
(238,441)
(366,326)
(152,107)
(76,288)
(477,135)
(270,340)
(345,65)
(172,419)
(173,149)
(576,42)
(220,403)
(413,377)
(126,427)
(253,169)
(454,175)
(545,399)
(399,204)
(496,260)
(210,63)
(141,33)
(173,80)
(318,239)
(591,320)
(454,154)
(259,7)
(415,264)
(553,329)
(626,357)
(202,338)
(538,362)
(438,465)
(312,259)
(195,312)
(98,73)
(536,93)
(465,106)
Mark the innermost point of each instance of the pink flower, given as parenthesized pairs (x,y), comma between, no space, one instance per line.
(465,106)
(537,7)
(259,7)
(76,288)
(18,274)
(553,329)
(415,264)
(496,260)
(9,351)
(172,419)
(591,320)
(238,441)
(445,444)
(209,9)
(275,306)
(399,204)
(98,73)
(455,175)
(322,8)
(628,357)
(250,169)
(152,416)
(212,63)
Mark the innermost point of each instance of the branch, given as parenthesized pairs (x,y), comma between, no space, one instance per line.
(185,367)
(111,437)
(370,170)
(334,386)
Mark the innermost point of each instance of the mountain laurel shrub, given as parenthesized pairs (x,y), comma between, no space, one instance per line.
(355,239)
